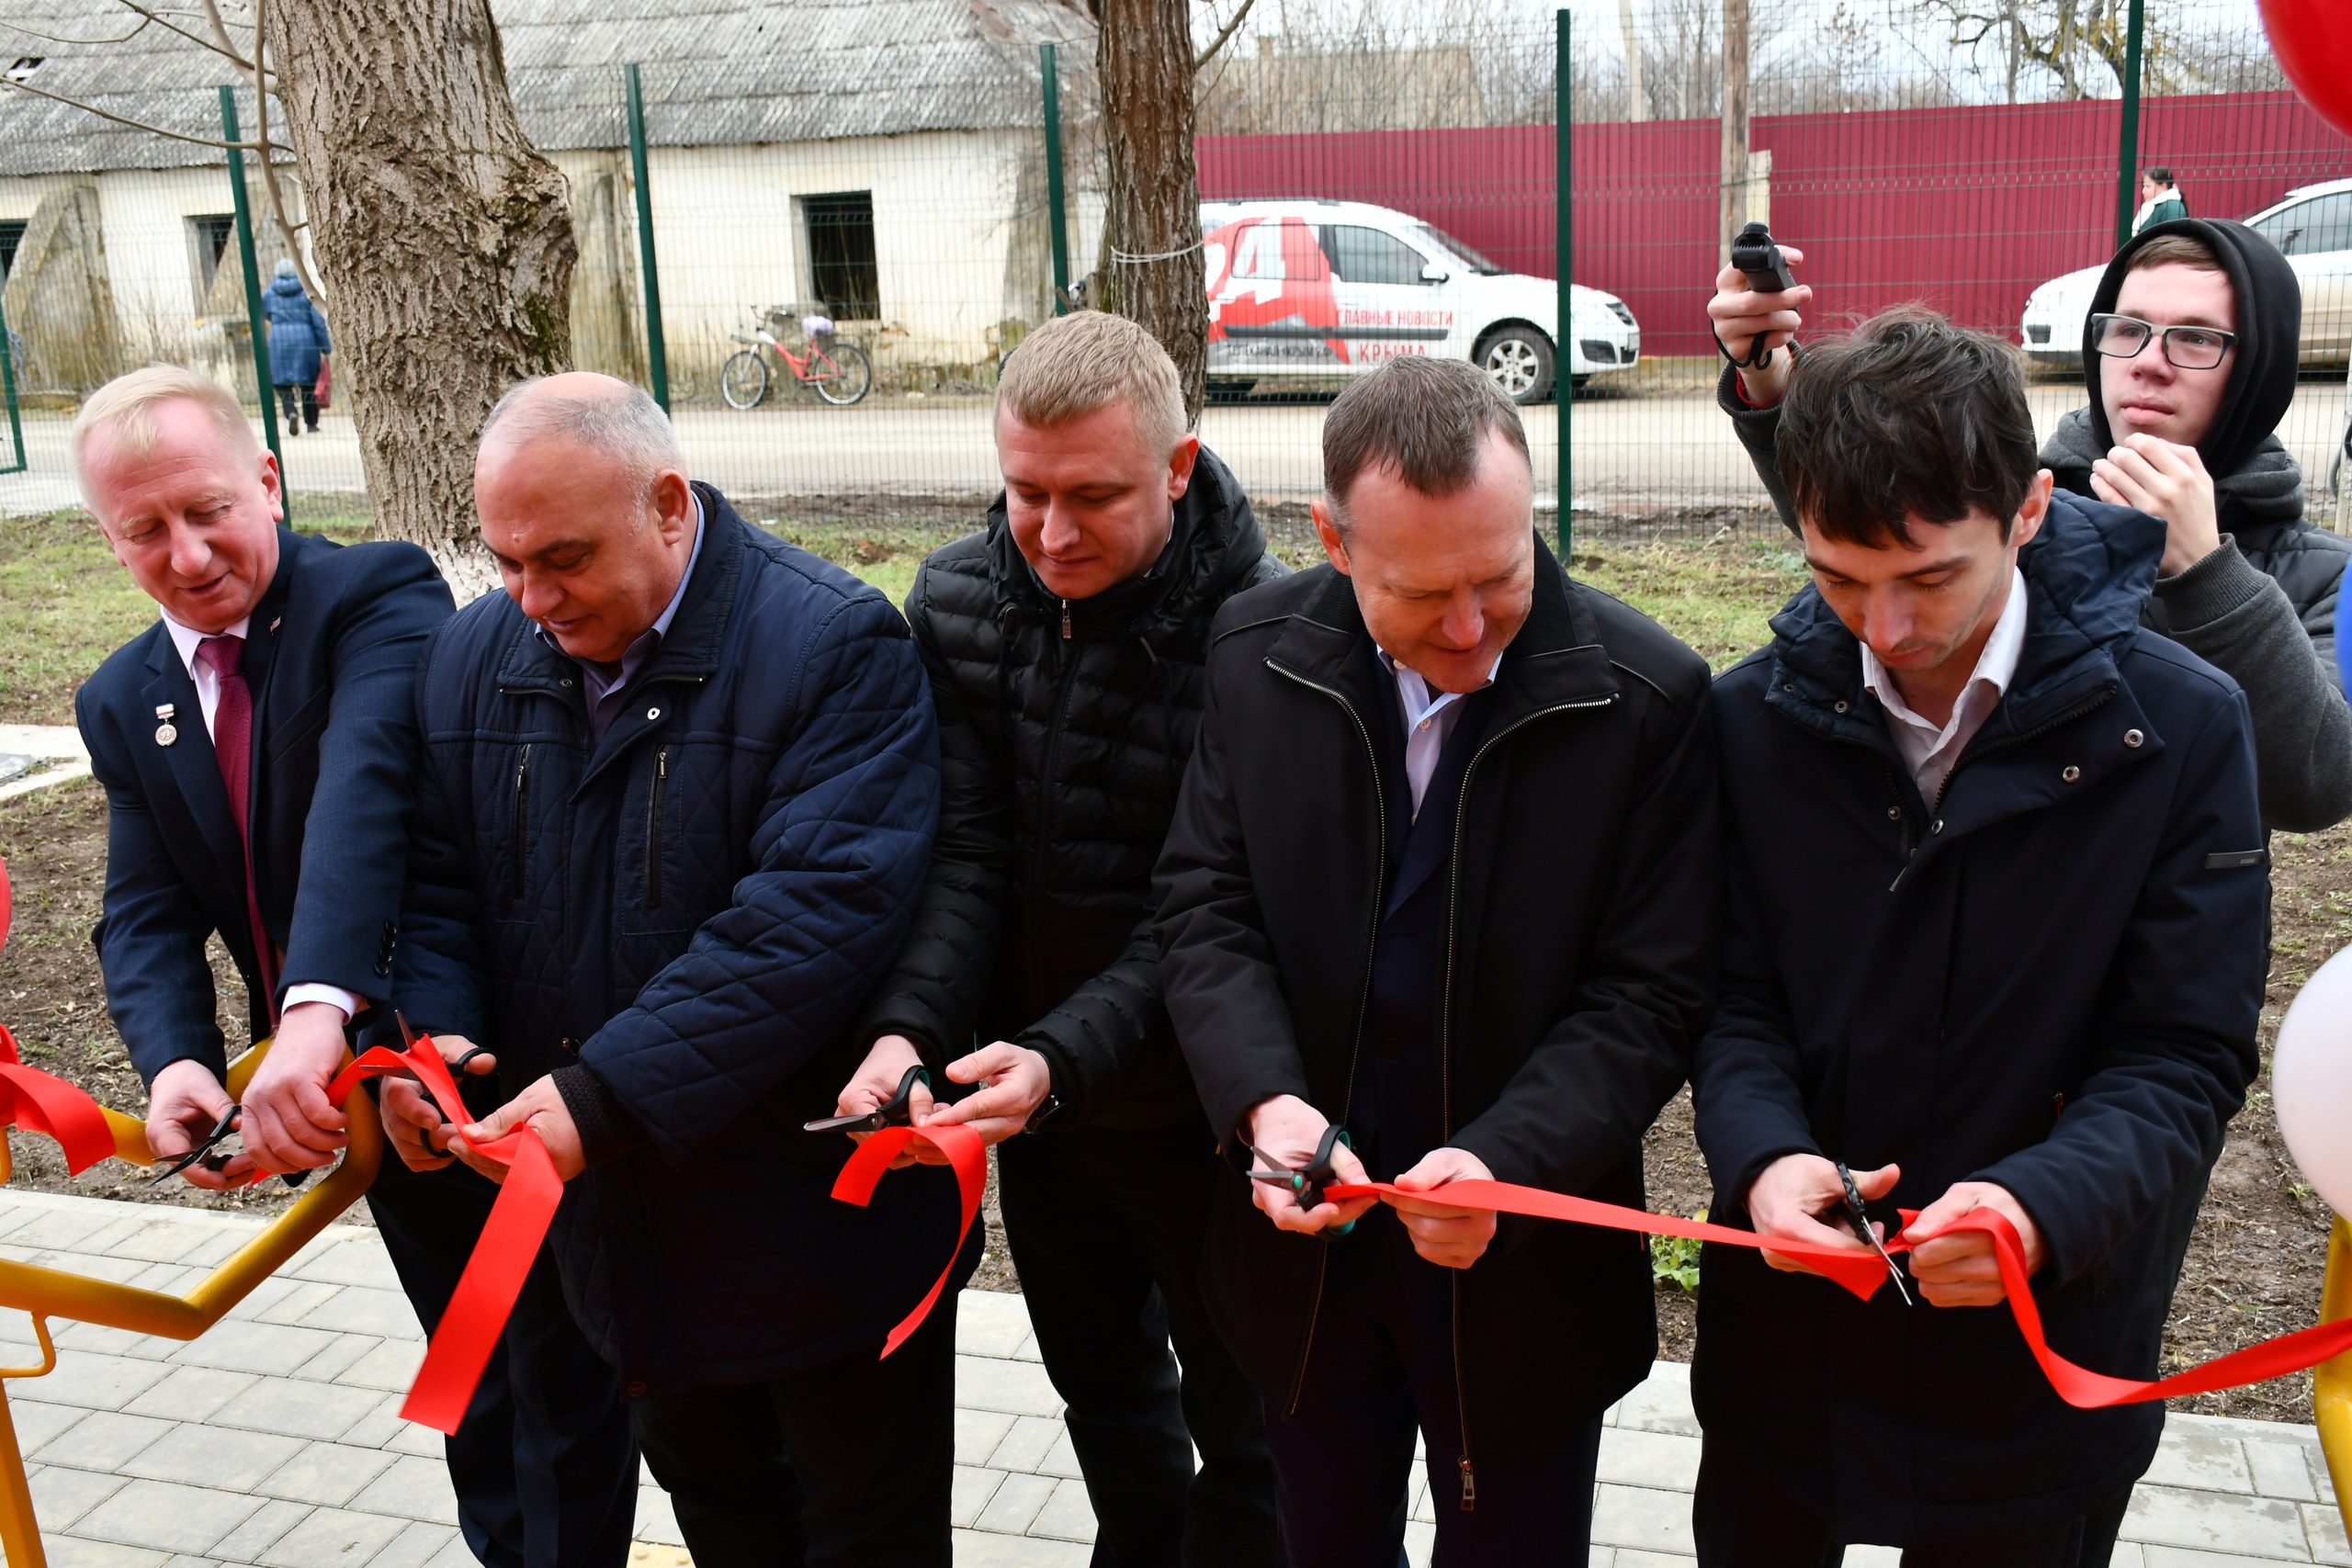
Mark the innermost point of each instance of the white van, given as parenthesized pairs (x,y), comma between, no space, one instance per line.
(1323,288)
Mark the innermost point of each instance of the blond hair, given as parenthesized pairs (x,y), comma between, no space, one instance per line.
(1087,360)
(125,408)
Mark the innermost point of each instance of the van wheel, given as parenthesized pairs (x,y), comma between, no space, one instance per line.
(1518,361)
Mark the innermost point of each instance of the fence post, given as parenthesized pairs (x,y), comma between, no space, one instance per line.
(228,134)
(8,386)
(2127,180)
(1056,219)
(1564,384)
(657,354)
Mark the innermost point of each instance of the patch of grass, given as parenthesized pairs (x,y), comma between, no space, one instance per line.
(1718,595)
(66,604)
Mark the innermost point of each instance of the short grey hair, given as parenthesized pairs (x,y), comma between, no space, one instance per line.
(1078,364)
(1426,419)
(604,414)
(125,408)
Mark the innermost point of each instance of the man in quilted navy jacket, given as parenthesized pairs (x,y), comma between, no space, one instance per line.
(680,786)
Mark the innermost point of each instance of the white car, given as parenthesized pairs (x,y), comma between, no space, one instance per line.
(1322,288)
(2311,226)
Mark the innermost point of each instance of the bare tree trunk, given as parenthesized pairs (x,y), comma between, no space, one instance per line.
(443,238)
(1735,124)
(1636,107)
(1151,239)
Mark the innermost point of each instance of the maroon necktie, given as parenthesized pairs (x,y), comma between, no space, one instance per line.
(233,746)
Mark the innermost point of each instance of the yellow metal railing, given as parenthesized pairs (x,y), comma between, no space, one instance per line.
(52,1293)
(2332,1380)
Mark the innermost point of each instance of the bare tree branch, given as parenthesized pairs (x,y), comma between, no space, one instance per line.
(1219,42)
(162,20)
(259,74)
(83,42)
(125,120)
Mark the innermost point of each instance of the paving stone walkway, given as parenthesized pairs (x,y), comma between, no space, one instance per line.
(275,1440)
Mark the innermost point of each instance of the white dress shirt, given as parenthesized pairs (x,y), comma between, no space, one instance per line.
(1430,719)
(1929,751)
(186,640)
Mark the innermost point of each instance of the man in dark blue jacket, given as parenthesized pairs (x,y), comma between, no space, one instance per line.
(680,787)
(258,750)
(1996,939)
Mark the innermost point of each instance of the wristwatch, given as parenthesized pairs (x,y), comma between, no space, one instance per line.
(1041,1119)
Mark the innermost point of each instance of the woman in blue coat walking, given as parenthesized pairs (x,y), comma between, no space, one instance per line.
(299,346)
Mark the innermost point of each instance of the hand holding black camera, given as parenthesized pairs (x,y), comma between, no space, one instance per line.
(1757,312)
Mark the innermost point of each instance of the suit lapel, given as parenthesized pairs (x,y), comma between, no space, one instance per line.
(192,776)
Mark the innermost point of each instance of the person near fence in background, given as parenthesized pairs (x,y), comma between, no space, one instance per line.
(299,347)
(2189,355)
(1065,645)
(1443,874)
(259,753)
(1996,939)
(680,783)
(2160,200)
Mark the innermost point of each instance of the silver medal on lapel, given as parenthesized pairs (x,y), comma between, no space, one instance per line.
(166,731)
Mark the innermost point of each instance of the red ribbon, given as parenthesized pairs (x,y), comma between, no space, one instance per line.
(38,1102)
(964,1150)
(1862,1272)
(501,1259)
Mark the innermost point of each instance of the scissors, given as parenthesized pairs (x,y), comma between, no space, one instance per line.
(1308,1183)
(202,1154)
(408,1041)
(1863,1228)
(896,1111)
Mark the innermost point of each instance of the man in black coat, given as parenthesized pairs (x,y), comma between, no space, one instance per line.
(1995,938)
(1065,645)
(1442,873)
(2190,353)
(279,678)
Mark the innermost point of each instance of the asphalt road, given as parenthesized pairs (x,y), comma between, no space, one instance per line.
(1631,453)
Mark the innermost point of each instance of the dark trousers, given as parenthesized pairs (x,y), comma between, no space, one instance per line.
(846,1465)
(308,392)
(544,1464)
(1382,1366)
(1745,1520)
(1106,1227)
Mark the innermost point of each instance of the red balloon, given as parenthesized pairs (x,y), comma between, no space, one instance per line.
(2312,40)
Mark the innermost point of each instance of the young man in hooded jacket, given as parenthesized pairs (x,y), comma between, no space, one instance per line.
(2187,390)
(1065,645)
(1995,940)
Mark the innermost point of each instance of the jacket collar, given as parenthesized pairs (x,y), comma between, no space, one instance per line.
(1556,660)
(690,650)
(2087,575)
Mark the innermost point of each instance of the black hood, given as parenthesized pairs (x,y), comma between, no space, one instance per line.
(2270,330)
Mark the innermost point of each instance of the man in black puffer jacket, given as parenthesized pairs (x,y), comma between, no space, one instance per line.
(1066,646)
(2245,581)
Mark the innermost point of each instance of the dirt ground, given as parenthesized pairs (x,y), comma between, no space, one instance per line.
(2254,1266)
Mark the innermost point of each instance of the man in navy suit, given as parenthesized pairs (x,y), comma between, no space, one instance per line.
(258,749)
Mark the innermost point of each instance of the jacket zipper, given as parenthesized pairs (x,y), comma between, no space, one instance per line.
(1053,746)
(522,803)
(1363,996)
(1445,1047)
(653,829)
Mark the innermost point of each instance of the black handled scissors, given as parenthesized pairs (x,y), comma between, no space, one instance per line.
(202,1154)
(1308,1182)
(408,1041)
(1861,1220)
(896,1112)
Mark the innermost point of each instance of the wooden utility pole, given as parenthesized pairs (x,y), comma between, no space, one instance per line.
(443,237)
(1151,239)
(1637,108)
(1735,124)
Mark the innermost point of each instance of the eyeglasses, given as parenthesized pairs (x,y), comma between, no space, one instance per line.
(2188,348)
